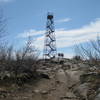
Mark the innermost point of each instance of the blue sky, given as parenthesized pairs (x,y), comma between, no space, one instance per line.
(76,21)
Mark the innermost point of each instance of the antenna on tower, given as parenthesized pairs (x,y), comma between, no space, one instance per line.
(50,50)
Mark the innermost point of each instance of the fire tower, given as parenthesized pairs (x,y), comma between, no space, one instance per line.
(50,40)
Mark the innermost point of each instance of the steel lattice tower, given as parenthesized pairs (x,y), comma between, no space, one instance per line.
(50,40)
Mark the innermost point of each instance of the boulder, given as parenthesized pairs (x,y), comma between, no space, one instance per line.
(74,76)
(44,92)
(61,76)
(36,91)
(97,97)
(81,91)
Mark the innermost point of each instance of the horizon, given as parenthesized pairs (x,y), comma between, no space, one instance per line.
(76,22)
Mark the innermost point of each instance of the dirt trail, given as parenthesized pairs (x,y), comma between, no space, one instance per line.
(53,89)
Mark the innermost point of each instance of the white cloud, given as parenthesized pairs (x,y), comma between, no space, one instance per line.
(5,1)
(63,20)
(30,32)
(67,38)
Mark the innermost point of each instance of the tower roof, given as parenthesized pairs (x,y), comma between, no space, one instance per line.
(50,15)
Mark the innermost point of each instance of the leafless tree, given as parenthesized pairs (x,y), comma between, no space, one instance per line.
(90,51)
(19,62)
(26,61)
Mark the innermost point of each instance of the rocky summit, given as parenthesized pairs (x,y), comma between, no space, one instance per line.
(70,80)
